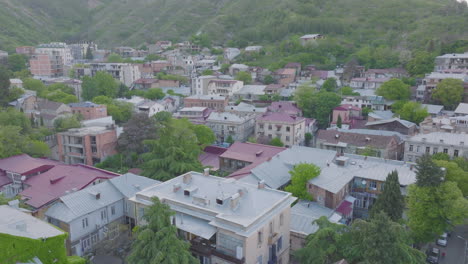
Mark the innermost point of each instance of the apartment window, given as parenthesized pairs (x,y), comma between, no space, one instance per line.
(382,186)
(94,149)
(417,148)
(373,185)
(428,149)
(288,129)
(261,126)
(113,210)
(84,222)
(260,259)
(287,138)
(281,219)
(259,238)
(410,147)
(278,128)
(271,228)
(103,215)
(445,151)
(269,127)
(280,244)
(269,136)
(435,150)
(455,153)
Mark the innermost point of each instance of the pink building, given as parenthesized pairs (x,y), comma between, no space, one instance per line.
(285,76)
(44,65)
(89,110)
(87,145)
(350,116)
(26,50)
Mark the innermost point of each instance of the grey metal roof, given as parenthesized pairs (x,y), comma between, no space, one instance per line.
(433,109)
(83,104)
(129,184)
(442,138)
(304,213)
(378,114)
(405,123)
(373,132)
(462,108)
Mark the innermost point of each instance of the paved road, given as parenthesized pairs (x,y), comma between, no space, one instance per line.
(456,247)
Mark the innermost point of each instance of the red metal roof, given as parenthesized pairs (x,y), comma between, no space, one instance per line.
(24,164)
(46,187)
(345,208)
(279,117)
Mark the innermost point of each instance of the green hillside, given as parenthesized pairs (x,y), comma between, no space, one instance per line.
(400,24)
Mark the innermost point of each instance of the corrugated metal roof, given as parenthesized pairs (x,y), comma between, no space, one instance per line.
(129,183)
(304,213)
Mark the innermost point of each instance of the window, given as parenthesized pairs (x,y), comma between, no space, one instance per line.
(382,185)
(281,219)
(84,222)
(455,153)
(410,147)
(113,210)
(103,215)
(261,126)
(269,127)
(288,129)
(435,150)
(260,238)
(287,138)
(417,148)
(93,149)
(260,259)
(373,185)
(269,136)
(445,150)
(428,149)
(280,244)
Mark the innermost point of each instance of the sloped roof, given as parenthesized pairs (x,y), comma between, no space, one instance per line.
(356,139)
(24,164)
(304,213)
(462,108)
(43,104)
(279,117)
(129,183)
(405,123)
(433,109)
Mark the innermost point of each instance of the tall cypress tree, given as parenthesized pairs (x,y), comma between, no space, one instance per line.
(391,200)
(428,173)
(339,121)
(157,241)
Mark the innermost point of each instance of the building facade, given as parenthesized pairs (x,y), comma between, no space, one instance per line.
(226,124)
(89,110)
(214,102)
(290,129)
(451,144)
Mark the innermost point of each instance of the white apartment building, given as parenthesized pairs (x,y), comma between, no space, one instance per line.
(225,124)
(226,221)
(453,61)
(290,129)
(455,145)
(126,73)
(224,87)
(56,49)
(200,84)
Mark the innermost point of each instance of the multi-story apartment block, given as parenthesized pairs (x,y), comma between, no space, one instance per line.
(290,129)
(373,102)
(429,83)
(451,61)
(386,73)
(215,102)
(245,109)
(79,50)
(56,49)
(200,84)
(45,65)
(224,87)
(226,221)
(106,209)
(26,50)
(455,124)
(196,115)
(89,110)
(451,144)
(226,124)
(87,145)
(126,73)
(367,83)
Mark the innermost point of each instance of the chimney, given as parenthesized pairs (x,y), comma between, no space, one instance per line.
(176,187)
(235,201)
(261,184)
(206,172)
(259,153)
(187,178)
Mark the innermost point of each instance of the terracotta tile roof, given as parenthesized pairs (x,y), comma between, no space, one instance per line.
(355,139)
(49,186)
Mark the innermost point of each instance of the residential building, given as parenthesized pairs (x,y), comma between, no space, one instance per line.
(285,76)
(374,102)
(88,110)
(386,73)
(79,50)
(245,109)
(289,129)
(224,87)
(251,49)
(18,83)
(87,145)
(159,46)
(149,83)
(434,110)
(196,115)
(58,49)
(227,124)
(235,68)
(303,215)
(294,65)
(349,184)
(367,83)
(47,112)
(387,146)
(26,239)
(215,102)
(285,107)
(250,92)
(451,61)
(351,117)
(231,53)
(200,84)
(226,221)
(379,115)
(394,124)
(431,143)
(26,50)
(240,158)
(455,124)
(26,102)
(210,157)
(3,57)
(310,39)
(98,212)
(430,81)
(273,89)
(45,65)
(462,109)
(126,73)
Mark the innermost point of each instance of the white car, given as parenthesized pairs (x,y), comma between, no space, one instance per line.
(442,241)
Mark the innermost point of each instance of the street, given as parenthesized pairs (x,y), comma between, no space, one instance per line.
(456,247)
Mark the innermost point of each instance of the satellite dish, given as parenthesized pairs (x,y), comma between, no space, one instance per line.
(363,182)
(23,178)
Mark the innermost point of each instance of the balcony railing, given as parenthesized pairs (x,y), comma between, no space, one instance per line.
(207,250)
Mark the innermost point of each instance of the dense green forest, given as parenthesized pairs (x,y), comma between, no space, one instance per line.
(370,27)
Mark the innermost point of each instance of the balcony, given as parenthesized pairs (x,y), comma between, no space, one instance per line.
(273,238)
(204,248)
(75,154)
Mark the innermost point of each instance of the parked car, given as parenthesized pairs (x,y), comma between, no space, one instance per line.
(442,240)
(433,255)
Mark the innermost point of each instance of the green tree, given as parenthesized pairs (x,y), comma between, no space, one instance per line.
(154,93)
(412,111)
(174,152)
(205,135)
(434,209)
(421,63)
(366,111)
(37,148)
(390,201)
(224,68)
(64,123)
(157,241)
(455,174)
(153,57)
(330,85)
(136,130)
(428,174)
(300,176)
(246,77)
(59,96)
(114,58)
(347,91)
(11,141)
(13,117)
(34,85)
(17,62)
(326,246)
(4,87)
(268,79)
(339,122)
(207,72)
(394,89)
(101,84)
(449,92)
(89,53)
(229,139)
(276,142)
(441,156)
(307,138)
(382,241)
(202,40)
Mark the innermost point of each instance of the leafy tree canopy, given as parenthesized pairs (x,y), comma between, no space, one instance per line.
(330,85)
(276,142)
(390,201)
(245,77)
(411,111)
(394,89)
(100,84)
(449,92)
(300,176)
